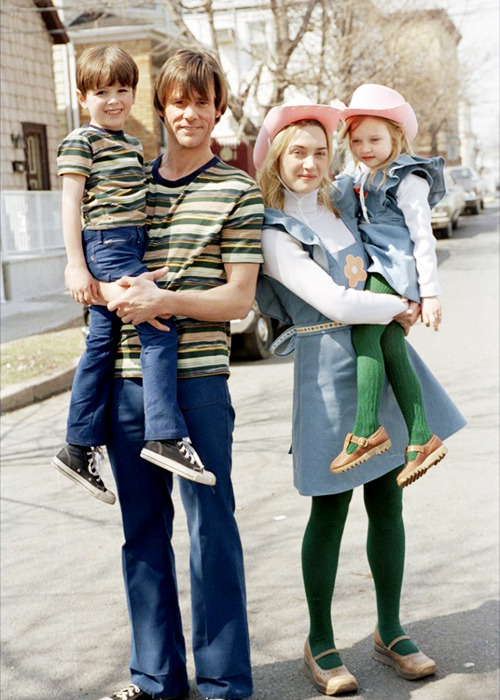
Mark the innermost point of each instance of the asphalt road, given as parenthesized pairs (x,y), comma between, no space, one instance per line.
(64,622)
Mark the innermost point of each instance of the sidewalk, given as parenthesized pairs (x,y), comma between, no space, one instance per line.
(24,318)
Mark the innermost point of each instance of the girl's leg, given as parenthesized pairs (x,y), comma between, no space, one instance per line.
(386,554)
(370,379)
(320,555)
(405,385)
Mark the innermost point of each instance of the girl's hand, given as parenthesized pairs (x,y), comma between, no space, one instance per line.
(409,317)
(82,286)
(431,312)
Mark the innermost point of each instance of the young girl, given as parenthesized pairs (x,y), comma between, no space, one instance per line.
(396,192)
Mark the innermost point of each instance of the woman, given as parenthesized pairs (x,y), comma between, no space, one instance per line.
(313,276)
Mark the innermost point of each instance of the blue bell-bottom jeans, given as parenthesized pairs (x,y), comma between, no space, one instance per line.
(219,620)
(111,254)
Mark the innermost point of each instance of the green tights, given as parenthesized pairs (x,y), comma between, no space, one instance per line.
(382,349)
(385,549)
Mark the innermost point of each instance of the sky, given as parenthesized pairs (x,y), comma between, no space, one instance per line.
(479,23)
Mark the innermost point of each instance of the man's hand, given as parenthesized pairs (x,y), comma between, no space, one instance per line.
(409,317)
(142,300)
(82,286)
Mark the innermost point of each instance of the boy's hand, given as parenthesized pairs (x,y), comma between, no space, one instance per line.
(431,312)
(82,286)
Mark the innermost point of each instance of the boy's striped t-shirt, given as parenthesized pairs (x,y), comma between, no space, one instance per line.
(196,225)
(113,165)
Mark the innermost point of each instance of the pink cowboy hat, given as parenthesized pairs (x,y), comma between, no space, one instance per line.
(379,101)
(289,112)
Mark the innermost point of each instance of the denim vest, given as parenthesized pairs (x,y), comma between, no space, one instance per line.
(386,237)
(347,267)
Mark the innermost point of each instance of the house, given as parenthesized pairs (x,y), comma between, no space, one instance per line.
(32,255)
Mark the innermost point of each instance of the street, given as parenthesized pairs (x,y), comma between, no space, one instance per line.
(65,632)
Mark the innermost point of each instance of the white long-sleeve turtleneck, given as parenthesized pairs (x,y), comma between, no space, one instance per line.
(287,262)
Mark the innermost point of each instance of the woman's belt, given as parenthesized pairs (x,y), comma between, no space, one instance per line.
(285,343)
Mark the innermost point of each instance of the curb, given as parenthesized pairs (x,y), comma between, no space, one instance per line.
(26,393)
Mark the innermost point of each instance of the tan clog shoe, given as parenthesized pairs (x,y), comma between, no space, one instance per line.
(329,682)
(411,666)
(375,444)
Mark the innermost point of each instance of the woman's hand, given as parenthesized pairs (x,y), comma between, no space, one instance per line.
(407,318)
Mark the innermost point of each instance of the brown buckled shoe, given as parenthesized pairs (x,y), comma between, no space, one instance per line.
(428,455)
(411,666)
(331,681)
(375,444)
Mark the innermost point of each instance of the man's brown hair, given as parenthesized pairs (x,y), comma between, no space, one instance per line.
(191,72)
(102,66)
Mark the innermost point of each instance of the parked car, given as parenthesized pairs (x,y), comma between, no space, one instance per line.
(253,335)
(446,214)
(473,185)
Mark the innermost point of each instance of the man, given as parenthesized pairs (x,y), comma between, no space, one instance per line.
(204,223)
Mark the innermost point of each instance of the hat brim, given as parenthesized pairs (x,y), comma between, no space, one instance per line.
(402,114)
(280,117)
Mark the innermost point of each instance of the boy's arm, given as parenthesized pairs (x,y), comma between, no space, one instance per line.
(82,286)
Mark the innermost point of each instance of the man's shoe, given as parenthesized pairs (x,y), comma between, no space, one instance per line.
(179,457)
(375,444)
(81,464)
(329,682)
(427,456)
(132,692)
(412,666)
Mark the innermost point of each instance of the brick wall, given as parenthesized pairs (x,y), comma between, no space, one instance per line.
(27,87)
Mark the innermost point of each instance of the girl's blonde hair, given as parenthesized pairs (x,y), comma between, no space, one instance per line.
(102,66)
(269,178)
(400,141)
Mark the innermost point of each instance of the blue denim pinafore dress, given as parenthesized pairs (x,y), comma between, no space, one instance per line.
(385,236)
(325,392)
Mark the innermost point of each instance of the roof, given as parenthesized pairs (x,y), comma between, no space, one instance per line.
(52,21)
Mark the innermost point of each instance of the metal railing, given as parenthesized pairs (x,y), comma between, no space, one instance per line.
(30,223)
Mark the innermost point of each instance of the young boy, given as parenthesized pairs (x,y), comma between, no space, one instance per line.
(104,181)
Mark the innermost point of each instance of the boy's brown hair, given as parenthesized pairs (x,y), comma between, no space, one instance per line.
(190,72)
(102,66)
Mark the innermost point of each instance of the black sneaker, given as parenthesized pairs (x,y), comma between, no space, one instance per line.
(132,692)
(82,465)
(179,457)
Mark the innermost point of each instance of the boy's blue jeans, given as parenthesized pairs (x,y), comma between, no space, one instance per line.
(221,646)
(111,254)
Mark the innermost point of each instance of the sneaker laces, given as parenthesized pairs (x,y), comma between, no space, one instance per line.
(129,692)
(188,452)
(94,456)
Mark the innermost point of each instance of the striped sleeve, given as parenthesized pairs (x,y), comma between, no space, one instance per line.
(74,155)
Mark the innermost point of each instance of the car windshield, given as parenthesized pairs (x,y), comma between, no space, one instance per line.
(463,174)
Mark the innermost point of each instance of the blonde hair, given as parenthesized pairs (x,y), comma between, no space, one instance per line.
(269,178)
(102,66)
(400,141)
(191,72)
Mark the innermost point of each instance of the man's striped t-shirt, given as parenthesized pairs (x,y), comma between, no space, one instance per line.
(197,225)
(113,163)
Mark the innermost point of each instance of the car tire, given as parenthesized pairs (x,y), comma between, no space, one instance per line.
(455,224)
(476,209)
(257,343)
(448,231)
